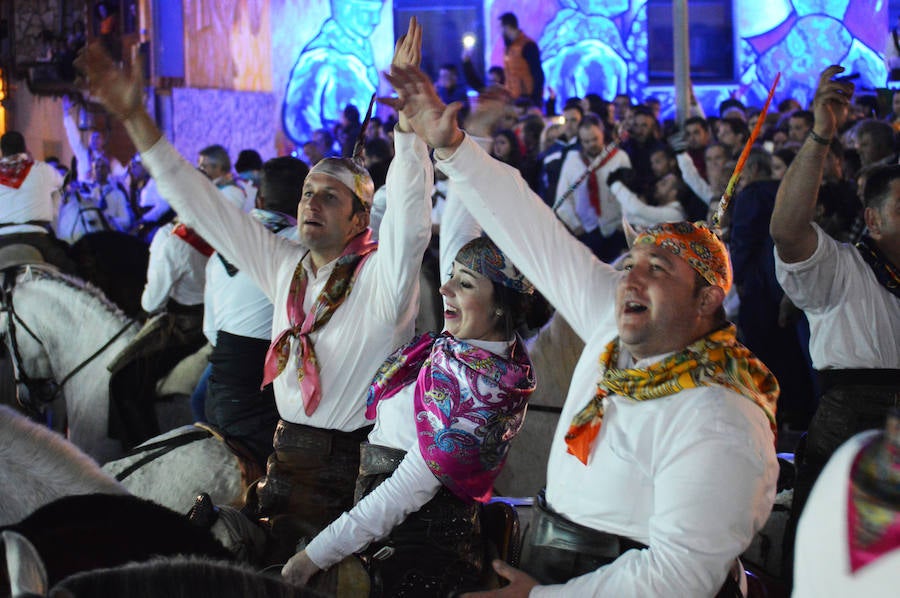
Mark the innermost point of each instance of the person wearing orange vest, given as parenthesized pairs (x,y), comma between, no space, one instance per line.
(524,74)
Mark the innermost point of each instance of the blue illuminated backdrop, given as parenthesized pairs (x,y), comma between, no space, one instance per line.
(326,54)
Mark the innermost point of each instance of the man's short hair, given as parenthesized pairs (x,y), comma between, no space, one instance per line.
(592,120)
(806,115)
(248,159)
(737,126)
(12,143)
(379,149)
(729,104)
(574,104)
(351,113)
(878,185)
(281,184)
(880,133)
(762,160)
(499,72)
(449,67)
(697,120)
(217,155)
(509,19)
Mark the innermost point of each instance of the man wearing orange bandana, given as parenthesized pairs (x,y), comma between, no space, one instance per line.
(663,465)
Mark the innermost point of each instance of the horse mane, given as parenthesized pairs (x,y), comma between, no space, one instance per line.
(40,466)
(39,272)
(181,577)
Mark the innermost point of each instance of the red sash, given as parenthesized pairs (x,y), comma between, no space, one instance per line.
(189,236)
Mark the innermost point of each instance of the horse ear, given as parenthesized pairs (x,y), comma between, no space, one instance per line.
(27,574)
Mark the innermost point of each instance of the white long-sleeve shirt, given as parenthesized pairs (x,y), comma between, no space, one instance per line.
(579,203)
(692,178)
(691,475)
(375,318)
(854,322)
(639,213)
(83,154)
(407,489)
(234,304)
(33,200)
(175,271)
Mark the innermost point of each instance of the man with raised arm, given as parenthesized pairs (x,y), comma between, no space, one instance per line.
(341,303)
(851,295)
(663,466)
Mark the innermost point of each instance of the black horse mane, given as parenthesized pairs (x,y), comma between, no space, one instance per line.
(41,272)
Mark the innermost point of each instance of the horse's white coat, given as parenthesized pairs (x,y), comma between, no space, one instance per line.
(176,478)
(38,466)
(72,320)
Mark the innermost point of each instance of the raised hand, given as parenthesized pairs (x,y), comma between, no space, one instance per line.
(831,101)
(120,93)
(426,114)
(408,51)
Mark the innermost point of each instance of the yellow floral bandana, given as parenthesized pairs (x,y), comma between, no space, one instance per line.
(697,245)
(717,359)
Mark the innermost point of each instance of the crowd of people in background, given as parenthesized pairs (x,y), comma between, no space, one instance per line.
(608,168)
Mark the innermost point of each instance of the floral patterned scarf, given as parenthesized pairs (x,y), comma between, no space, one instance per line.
(873,521)
(469,404)
(717,359)
(336,290)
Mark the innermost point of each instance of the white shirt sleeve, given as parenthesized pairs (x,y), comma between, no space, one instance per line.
(406,491)
(458,227)
(210,326)
(713,486)
(163,271)
(642,214)
(243,241)
(527,231)
(405,228)
(568,174)
(379,203)
(79,149)
(693,179)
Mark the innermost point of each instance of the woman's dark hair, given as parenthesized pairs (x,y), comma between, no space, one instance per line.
(515,152)
(786,155)
(522,313)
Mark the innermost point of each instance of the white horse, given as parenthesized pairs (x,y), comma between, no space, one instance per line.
(172,469)
(38,466)
(60,328)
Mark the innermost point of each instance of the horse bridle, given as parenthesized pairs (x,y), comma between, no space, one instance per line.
(51,387)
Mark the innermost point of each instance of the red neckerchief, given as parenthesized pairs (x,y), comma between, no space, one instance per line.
(14,169)
(592,184)
(189,236)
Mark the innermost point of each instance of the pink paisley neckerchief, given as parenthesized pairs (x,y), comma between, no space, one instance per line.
(339,285)
(469,405)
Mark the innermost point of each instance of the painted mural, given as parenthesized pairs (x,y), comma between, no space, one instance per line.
(325,54)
